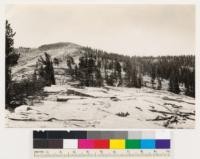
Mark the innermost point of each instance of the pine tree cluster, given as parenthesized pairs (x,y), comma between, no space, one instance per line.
(97,68)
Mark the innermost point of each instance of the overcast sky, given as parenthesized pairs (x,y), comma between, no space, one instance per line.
(126,29)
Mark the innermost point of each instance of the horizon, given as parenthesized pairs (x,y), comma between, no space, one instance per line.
(107,51)
(145,30)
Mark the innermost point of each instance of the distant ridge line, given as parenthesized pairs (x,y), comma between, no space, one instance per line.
(57,45)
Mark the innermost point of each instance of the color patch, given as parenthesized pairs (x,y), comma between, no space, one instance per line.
(94,135)
(148,135)
(39,134)
(101,144)
(148,144)
(101,140)
(40,144)
(85,144)
(117,144)
(133,144)
(112,135)
(70,144)
(134,135)
(55,144)
(67,135)
(162,144)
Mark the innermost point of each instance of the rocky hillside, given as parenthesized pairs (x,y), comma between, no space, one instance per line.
(29,56)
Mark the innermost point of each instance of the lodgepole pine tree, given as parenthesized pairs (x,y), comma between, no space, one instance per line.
(173,82)
(47,72)
(11,58)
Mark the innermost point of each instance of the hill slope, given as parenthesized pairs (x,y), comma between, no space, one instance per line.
(29,56)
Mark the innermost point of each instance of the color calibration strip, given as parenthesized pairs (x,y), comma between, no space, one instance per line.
(101,140)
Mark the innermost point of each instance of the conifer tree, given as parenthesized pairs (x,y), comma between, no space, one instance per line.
(98,78)
(11,58)
(173,82)
(47,70)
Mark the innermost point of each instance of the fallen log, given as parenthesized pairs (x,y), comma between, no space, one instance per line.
(66,98)
(75,92)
